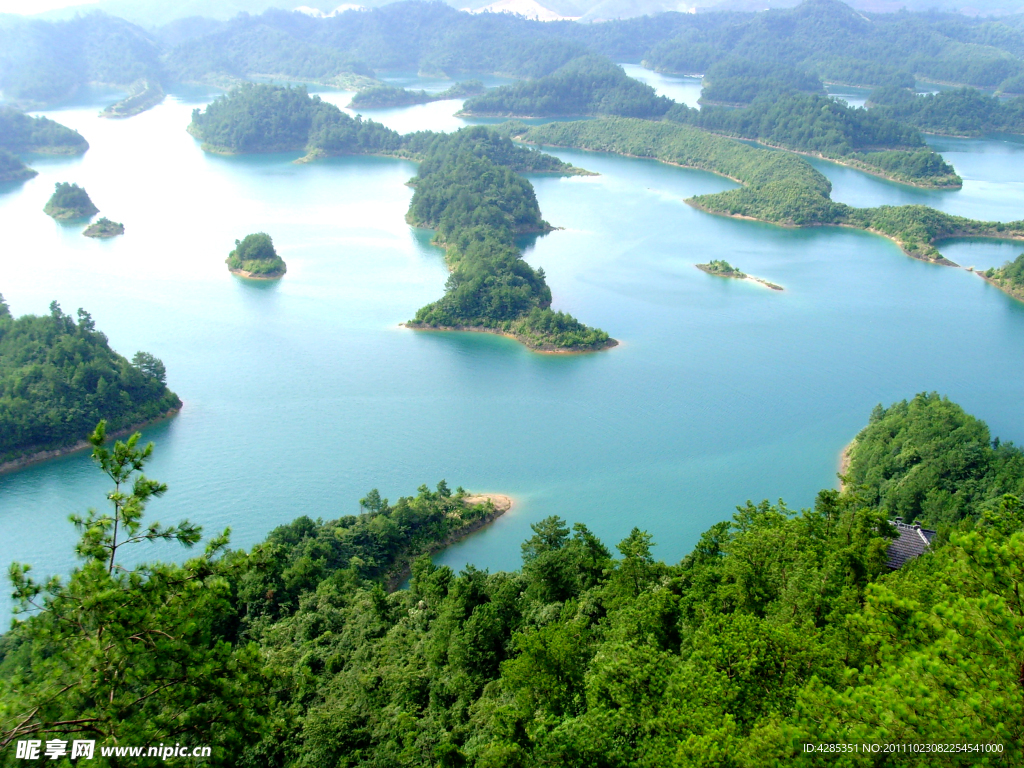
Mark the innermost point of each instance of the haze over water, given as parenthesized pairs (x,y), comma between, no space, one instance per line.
(302,395)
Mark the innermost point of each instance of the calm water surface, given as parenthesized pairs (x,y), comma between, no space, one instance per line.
(302,395)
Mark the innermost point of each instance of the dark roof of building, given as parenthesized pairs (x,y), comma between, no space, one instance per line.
(913,541)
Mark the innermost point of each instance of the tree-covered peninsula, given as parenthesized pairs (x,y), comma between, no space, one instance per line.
(382,96)
(818,125)
(59,376)
(104,227)
(1009,277)
(781,628)
(466,191)
(778,187)
(589,85)
(142,95)
(255,256)
(21,133)
(69,201)
(12,169)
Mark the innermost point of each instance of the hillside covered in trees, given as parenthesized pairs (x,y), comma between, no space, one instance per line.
(589,85)
(780,628)
(777,187)
(819,125)
(21,133)
(12,169)
(59,376)
(959,112)
(44,61)
(267,118)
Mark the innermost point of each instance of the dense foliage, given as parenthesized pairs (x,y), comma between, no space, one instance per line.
(779,629)
(818,124)
(959,112)
(740,81)
(589,85)
(12,169)
(928,460)
(381,96)
(21,133)
(58,377)
(1009,277)
(45,62)
(267,118)
(467,190)
(69,201)
(777,187)
(837,43)
(255,254)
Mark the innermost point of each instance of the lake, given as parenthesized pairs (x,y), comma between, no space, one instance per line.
(304,394)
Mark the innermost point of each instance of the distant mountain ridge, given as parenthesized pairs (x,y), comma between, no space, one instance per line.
(157,13)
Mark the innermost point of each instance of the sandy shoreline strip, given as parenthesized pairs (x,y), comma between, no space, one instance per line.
(501,502)
(844,462)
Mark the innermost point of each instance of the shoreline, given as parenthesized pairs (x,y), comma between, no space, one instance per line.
(500,503)
(995,284)
(844,463)
(515,337)
(55,453)
(251,276)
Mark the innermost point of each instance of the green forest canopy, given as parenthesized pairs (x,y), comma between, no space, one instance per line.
(20,133)
(780,628)
(59,376)
(589,85)
(256,255)
(468,190)
(815,123)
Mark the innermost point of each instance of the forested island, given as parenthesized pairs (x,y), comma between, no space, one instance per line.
(780,628)
(142,95)
(1009,277)
(779,188)
(237,123)
(588,85)
(381,96)
(69,201)
(721,268)
(21,133)
(59,376)
(468,190)
(104,227)
(12,169)
(255,256)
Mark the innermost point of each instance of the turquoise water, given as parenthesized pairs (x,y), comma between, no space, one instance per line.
(302,395)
